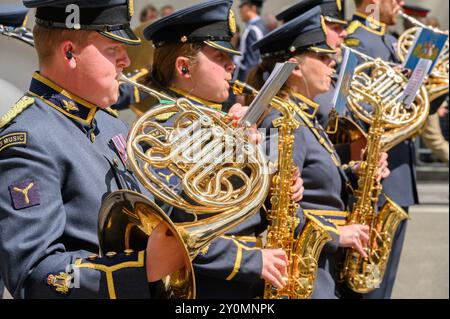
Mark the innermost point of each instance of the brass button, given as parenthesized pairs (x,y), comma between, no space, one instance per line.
(128,252)
(116,162)
(111,254)
(92,257)
(92,137)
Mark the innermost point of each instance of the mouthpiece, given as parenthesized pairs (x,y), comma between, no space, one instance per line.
(241,88)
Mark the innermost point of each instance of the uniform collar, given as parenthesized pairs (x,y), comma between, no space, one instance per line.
(196,100)
(309,107)
(370,24)
(67,103)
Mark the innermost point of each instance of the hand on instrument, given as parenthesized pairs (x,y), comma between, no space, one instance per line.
(274,268)
(383,170)
(443,110)
(236,112)
(164,254)
(297,187)
(355,236)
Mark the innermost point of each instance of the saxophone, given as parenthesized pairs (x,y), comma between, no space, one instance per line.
(302,253)
(365,274)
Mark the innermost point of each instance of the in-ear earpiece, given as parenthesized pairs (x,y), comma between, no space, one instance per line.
(69,55)
(184,69)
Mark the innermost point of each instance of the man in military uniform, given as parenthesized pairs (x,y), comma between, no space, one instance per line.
(250,11)
(367,33)
(11,17)
(335,33)
(62,150)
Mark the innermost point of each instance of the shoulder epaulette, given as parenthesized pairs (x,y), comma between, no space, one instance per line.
(322,222)
(352,42)
(354,25)
(112,112)
(15,110)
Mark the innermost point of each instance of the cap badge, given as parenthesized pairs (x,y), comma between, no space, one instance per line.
(130,8)
(339,5)
(70,106)
(232,22)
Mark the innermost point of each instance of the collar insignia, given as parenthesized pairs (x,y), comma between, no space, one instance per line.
(69,106)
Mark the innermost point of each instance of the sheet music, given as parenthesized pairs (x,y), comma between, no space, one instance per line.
(270,89)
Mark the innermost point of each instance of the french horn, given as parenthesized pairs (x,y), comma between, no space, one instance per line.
(380,77)
(219,172)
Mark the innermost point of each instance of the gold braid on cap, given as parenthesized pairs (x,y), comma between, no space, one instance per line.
(232,22)
(339,5)
(130,8)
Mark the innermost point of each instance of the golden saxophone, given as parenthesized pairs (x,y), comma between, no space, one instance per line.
(303,252)
(376,99)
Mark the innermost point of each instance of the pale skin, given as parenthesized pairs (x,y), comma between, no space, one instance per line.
(310,78)
(208,79)
(387,9)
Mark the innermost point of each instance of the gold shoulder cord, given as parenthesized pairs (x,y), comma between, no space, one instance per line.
(330,148)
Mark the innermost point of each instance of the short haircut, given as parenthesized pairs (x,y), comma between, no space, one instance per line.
(46,40)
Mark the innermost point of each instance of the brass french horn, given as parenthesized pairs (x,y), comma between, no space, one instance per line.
(381,78)
(219,172)
(401,123)
(438,82)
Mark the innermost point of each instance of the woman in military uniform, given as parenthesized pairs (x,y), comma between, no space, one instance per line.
(303,41)
(193,59)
